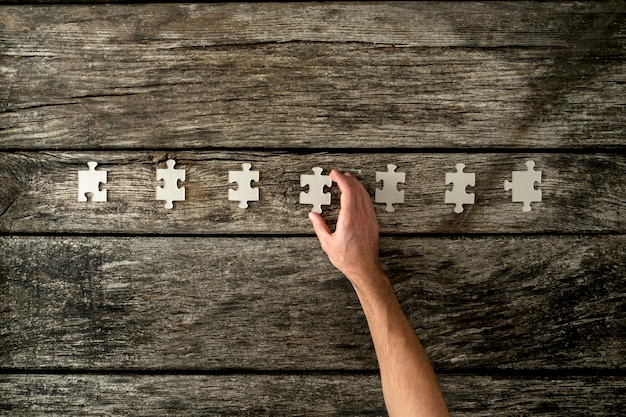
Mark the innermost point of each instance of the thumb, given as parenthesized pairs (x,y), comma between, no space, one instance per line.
(319,226)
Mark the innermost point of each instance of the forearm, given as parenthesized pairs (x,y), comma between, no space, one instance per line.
(409,383)
(410,387)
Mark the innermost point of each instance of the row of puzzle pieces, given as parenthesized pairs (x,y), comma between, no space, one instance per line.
(522,186)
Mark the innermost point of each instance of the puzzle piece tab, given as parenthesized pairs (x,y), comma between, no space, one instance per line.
(390,194)
(244,191)
(523,186)
(170,191)
(316,195)
(459,181)
(89,183)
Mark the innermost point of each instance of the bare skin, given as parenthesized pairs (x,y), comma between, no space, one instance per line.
(410,387)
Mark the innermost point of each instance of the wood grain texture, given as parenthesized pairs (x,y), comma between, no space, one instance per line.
(581,193)
(507,303)
(383,75)
(126,308)
(297,395)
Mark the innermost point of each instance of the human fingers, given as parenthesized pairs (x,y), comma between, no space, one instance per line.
(320,227)
(344,181)
(347,187)
(362,199)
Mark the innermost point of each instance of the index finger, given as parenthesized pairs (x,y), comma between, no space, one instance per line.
(353,193)
(347,186)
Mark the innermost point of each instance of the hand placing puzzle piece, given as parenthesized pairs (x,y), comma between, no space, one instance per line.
(523,186)
(316,194)
(89,183)
(170,191)
(244,192)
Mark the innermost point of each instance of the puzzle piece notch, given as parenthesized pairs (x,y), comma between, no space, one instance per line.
(244,192)
(458,195)
(170,191)
(523,186)
(316,195)
(89,183)
(390,194)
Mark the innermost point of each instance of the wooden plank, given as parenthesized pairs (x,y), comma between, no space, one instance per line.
(580,193)
(188,303)
(386,75)
(302,395)
(440,24)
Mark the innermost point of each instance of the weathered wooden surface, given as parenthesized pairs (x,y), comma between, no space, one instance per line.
(278,304)
(581,193)
(236,312)
(301,395)
(416,75)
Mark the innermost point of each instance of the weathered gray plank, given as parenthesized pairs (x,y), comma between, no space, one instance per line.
(581,193)
(423,24)
(301,395)
(509,75)
(277,303)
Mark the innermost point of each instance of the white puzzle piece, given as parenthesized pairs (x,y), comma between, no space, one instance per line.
(244,192)
(316,194)
(89,182)
(390,194)
(170,191)
(523,186)
(459,181)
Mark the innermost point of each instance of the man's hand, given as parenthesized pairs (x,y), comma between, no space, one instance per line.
(410,387)
(353,247)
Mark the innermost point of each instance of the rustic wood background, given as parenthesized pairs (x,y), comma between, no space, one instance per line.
(126,308)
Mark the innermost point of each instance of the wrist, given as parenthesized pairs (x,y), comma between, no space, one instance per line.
(371,284)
